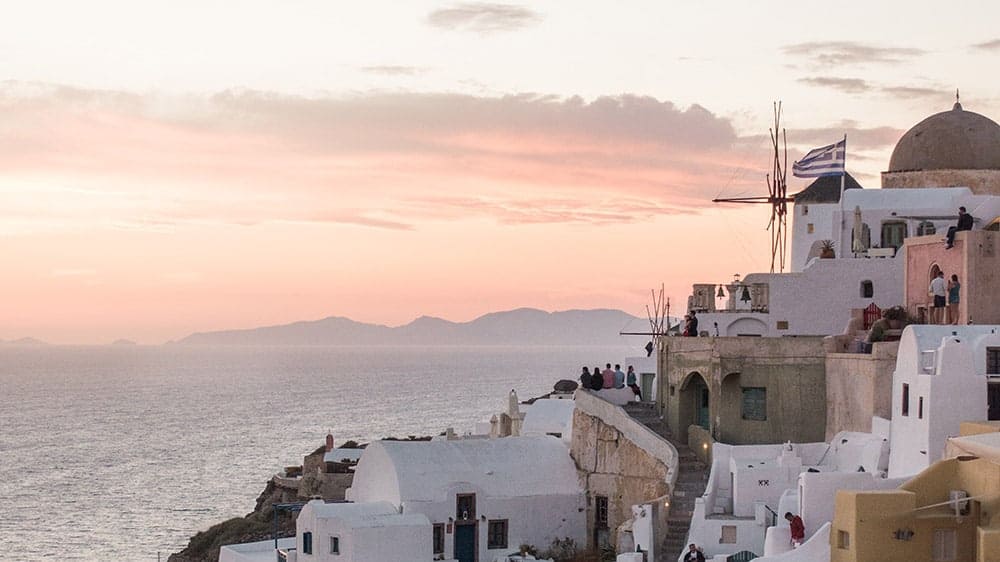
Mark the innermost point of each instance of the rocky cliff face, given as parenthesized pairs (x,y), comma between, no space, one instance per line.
(258,525)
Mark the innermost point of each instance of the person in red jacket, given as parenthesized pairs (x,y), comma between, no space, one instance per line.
(797,528)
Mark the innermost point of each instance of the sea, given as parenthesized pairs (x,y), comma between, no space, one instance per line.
(124,452)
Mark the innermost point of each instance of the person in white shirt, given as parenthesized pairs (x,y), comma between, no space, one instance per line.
(939,289)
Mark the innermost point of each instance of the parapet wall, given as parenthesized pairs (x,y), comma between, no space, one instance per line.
(622,460)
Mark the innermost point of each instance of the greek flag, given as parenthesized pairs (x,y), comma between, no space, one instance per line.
(824,161)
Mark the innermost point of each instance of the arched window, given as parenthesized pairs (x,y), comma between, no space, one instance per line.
(867,289)
(925,228)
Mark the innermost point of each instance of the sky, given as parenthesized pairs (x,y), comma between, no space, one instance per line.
(174,167)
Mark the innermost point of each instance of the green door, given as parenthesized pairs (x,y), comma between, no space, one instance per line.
(703,418)
(465,543)
(646,386)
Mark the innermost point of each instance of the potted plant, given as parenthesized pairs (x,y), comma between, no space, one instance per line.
(826,249)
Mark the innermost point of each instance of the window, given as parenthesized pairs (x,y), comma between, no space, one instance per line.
(906,399)
(439,538)
(465,507)
(728,534)
(755,404)
(843,539)
(334,545)
(867,289)
(601,512)
(920,408)
(307,542)
(810,228)
(993,360)
(496,535)
(925,228)
(805,210)
(893,233)
(782,325)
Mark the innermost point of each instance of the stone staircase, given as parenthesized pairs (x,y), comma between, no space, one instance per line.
(692,476)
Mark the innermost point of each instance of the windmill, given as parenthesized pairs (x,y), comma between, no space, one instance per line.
(777,196)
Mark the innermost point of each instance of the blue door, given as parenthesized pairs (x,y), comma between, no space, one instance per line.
(465,543)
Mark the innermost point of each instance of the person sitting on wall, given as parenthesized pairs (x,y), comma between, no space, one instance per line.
(619,377)
(596,380)
(585,381)
(694,554)
(608,376)
(797,528)
(964,223)
(631,382)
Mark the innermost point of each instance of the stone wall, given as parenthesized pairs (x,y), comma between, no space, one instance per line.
(792,371)
(622,460)
(981,182)
(859,386)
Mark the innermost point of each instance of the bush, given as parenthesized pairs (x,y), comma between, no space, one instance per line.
(561,550)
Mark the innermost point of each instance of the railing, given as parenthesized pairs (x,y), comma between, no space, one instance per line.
(771,519)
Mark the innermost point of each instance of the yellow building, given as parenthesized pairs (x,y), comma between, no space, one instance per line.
(948,512)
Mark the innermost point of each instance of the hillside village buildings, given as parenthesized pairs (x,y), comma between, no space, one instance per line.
(775,397)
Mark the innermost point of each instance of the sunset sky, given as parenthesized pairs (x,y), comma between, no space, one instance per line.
(171,167)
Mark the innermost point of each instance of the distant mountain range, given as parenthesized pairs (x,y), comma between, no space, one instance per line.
(24,341)
(523,326)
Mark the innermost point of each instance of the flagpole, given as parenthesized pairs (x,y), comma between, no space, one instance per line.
(843,175)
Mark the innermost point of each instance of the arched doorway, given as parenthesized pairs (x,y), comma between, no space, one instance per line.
(694,402)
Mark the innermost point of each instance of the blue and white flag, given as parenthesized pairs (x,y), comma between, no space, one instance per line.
(824,161)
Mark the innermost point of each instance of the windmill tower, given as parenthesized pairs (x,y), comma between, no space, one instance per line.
(777,196)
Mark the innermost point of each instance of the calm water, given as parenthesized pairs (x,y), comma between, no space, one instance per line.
(118,453)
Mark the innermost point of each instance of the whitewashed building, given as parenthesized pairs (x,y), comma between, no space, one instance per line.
(483,497)
(944,375)
(360,532)
(817,295)
(750,487)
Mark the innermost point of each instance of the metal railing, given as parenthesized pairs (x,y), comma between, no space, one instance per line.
(771,519)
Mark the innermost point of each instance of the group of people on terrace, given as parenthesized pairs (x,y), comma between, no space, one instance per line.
(609,378)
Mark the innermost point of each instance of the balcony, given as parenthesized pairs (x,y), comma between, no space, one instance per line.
(739,297)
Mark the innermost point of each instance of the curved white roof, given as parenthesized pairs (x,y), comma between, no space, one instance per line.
(358,515)
(927,337)
(401,471)
(549,416)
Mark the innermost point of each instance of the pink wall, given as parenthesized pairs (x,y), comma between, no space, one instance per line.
(976,261)
(921,254)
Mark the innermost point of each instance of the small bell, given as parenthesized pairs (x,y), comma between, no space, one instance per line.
(746,294)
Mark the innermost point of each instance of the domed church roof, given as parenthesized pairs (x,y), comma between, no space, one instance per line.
(950,140)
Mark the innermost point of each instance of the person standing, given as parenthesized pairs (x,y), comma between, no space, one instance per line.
(953,296)
(965,221)
(694,325)
(585,381)
(797,528)
(630,381)
(939,290)
(694,554)
(609,376)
